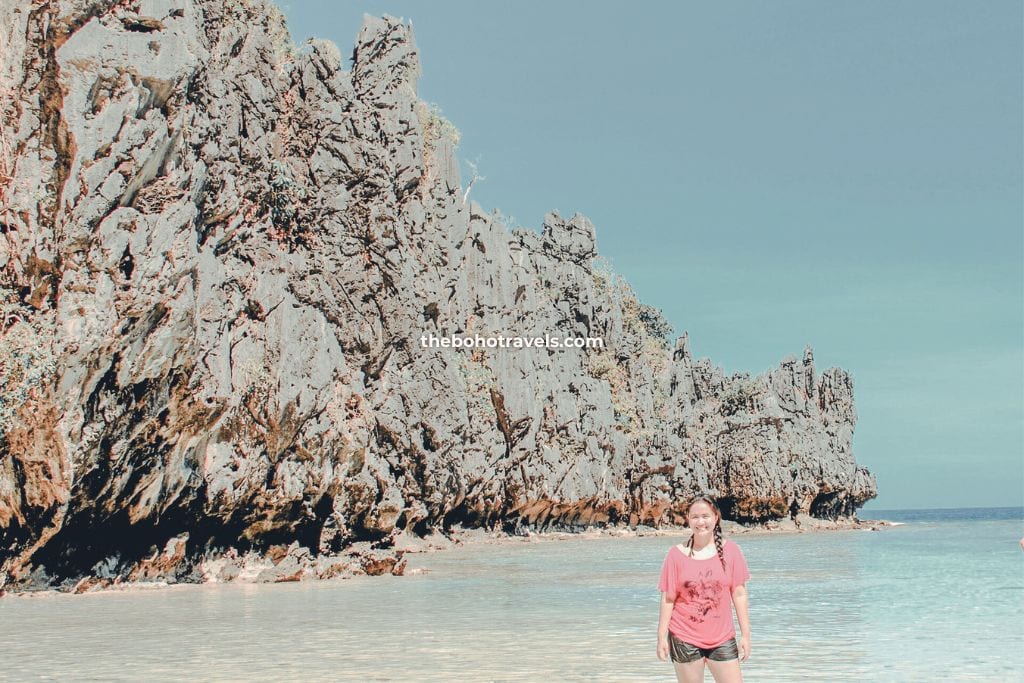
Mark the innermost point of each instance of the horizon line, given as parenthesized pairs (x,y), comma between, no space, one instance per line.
(965,507)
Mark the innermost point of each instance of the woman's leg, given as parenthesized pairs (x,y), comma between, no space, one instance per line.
(690,672)
(726,672)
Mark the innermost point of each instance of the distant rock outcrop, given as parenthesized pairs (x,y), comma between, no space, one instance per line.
(219,256)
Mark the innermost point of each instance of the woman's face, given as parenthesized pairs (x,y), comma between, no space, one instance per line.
(701,518)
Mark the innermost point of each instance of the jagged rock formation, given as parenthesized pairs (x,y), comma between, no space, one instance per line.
(220,254)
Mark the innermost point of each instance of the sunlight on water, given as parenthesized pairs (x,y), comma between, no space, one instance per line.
(903,604)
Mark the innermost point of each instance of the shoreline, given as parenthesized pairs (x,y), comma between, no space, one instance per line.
(470,537)
(405,545)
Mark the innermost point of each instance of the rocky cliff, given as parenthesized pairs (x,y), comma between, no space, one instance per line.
(219,256)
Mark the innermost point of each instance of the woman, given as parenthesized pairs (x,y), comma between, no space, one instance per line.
(701,581)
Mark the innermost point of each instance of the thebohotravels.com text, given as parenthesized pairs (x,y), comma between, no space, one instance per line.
(478,341)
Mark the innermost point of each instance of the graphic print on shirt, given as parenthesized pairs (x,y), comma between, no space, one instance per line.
(704,593)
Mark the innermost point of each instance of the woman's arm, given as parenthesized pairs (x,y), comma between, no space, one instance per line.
(740,602)
(663,618)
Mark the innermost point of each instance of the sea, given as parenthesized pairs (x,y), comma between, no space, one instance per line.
(939,597)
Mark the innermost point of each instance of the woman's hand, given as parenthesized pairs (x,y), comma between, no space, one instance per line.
(744,647)
(663,648)
(668,603)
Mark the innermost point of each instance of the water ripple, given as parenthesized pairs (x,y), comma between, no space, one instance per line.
(845,606)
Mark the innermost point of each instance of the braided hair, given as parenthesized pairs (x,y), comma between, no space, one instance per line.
(719,543)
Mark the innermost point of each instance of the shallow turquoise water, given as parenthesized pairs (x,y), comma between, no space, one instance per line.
(940,598)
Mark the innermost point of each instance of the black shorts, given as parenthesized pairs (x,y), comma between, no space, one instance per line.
(684,653)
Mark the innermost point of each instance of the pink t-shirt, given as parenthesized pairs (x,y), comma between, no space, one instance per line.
(702,591)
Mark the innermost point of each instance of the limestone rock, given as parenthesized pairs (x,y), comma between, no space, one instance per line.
(221,254)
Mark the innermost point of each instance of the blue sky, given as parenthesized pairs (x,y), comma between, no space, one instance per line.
(771,175)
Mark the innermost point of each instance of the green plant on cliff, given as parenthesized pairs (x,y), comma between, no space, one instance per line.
(285,205)
(654,322)
(740,395)
(637,317)
(647,331)
(643,320)
(605,277)
(601,364)
(280,37)
(604,365)
(435,126)
(28,356)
